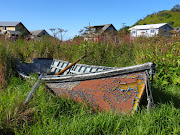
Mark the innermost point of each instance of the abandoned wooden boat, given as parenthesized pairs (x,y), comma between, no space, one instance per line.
(105,88)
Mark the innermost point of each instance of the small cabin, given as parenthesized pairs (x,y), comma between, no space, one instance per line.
(92,32)
(150,30)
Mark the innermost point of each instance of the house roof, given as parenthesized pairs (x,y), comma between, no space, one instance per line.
(9,23)
(13,32)
(149,26)
(96,26)
(104,27)
(37,32)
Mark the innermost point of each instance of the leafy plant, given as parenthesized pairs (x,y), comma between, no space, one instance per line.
(49,114)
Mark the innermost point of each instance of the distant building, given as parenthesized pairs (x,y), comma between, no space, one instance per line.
(176,31)
(18,27)
(39,33)
(150,30)
(92,32)
(13,35)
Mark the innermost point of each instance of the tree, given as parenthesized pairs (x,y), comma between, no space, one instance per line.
(176,8)
(57,31)
(124,30)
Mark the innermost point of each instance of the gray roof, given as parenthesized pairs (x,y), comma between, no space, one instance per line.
(104,27)
(9,23)
(13,32)
(37,32)
(149,26)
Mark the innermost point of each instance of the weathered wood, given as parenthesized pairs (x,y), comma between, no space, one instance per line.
(102,74)
(62,71)
(33,90)
(107,88)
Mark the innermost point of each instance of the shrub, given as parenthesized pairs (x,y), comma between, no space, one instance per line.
(176,8)
(170,22)
(164,14)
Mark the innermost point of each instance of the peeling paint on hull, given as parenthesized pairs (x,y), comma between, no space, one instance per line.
(120,93)
(105,88)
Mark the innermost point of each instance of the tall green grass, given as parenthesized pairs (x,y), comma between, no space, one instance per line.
(49,114)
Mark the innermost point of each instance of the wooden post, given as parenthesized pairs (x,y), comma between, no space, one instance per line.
(33,90)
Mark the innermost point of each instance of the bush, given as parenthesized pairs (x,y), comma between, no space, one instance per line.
(164,14)
(176,8)
(170,22)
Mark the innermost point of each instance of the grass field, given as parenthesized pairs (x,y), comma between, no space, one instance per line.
(49,114)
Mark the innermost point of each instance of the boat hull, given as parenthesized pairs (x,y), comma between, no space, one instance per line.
(120,93)
(105,88)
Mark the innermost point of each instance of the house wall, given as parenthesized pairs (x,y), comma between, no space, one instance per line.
(165,29)
(20,27)
(11,28)
(151,32)
(144,32)
(147,32)
(110,28)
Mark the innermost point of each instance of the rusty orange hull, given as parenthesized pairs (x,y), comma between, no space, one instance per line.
(105,88)
(121,93)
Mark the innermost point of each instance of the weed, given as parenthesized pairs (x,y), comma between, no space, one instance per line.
(49,114)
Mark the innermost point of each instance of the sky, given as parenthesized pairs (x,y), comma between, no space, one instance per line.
(74,15)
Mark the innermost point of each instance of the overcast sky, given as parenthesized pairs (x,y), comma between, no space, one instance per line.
(73,15)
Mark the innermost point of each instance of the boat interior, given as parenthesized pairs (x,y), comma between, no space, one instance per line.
(53,66)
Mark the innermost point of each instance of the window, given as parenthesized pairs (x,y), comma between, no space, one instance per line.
(4,28)
(152,31)
(92,29)
(133,32)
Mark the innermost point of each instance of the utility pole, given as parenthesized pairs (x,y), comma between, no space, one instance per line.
(123,26)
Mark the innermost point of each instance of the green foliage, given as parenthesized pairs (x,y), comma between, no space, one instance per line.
(170,22)
(176,8)
(171,17)
(49,114)
(124,30)
(165,53)
(164,14)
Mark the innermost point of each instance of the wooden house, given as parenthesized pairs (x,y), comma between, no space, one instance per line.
(39,33)
(13,26)
(92,32)
(150,30)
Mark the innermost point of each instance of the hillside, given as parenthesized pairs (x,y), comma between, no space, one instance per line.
(170,17)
